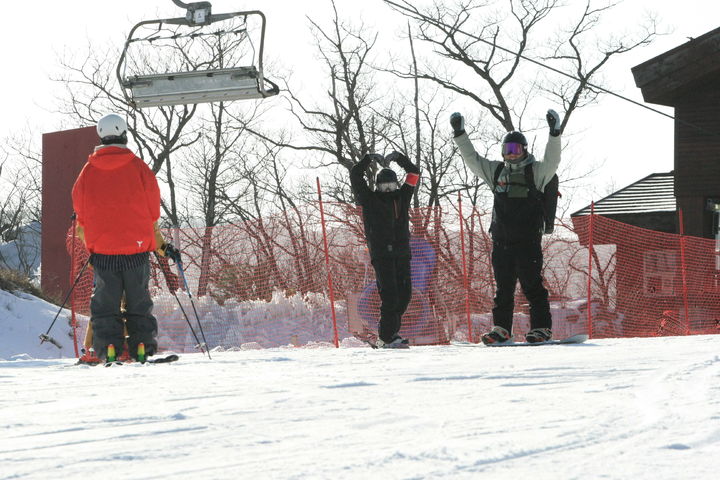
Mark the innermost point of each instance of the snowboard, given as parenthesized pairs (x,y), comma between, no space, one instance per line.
(575,339)
(403,346)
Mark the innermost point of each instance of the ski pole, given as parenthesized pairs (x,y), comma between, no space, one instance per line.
(45,337)
(197,317)
(187,319)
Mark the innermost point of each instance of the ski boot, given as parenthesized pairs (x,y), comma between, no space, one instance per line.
(89,358)
(125,355)
(397,342)
(538,335)
(495,335)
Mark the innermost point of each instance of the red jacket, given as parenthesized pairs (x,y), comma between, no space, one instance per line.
(117,200)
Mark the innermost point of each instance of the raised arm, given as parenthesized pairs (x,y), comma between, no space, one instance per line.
(412,175)
(412,170)
(544,171)
(357,178)
(479,165)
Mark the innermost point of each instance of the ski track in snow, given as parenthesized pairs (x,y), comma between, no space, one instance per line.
(614,408)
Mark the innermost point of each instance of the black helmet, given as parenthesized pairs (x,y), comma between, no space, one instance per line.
(386,175)
(515,137)
(514,143)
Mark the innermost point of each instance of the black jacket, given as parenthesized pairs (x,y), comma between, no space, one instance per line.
(385,214)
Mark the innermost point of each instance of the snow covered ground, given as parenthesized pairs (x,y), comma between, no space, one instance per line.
(618,409)
(631,408)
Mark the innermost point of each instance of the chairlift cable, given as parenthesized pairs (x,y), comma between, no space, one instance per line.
(181,4)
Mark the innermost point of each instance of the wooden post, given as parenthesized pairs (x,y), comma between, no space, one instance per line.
(589,283)
(466,285)
(683,271)
(327,265)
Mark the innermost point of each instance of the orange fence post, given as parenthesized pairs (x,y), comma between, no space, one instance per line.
(589,283)
(464,268)
(683,272)
(73,319)
(327,265)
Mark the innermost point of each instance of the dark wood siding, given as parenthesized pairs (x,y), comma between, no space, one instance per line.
(697,155)
(697,143)
(688,78)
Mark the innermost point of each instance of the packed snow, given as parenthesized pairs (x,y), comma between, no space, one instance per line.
(612,408)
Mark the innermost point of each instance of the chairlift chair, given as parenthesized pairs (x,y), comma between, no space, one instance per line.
(198,86)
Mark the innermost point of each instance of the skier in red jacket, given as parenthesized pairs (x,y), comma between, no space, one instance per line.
(117,202)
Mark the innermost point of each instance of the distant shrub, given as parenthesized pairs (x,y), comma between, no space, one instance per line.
(13,281)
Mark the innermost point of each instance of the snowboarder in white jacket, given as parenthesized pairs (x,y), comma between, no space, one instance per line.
(517,225)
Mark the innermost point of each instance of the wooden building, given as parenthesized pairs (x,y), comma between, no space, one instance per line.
(648,203)
(649,281)
(686,78)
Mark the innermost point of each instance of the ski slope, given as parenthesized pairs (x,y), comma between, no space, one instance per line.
(613,408)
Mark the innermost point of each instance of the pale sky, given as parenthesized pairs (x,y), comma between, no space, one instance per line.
(630,141)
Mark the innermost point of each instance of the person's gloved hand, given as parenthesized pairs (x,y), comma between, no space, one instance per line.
(172,280)
(397,157)
(403,161)
(458,124)
(553,120)
(168,250)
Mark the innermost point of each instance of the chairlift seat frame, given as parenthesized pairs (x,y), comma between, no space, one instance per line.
(199,86)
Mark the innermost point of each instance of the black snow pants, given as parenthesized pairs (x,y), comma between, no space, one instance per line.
(107,318)
(524,262)
(392,275)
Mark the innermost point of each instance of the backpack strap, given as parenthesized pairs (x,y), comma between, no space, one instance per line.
(530,180)
(548,196)
(496,176)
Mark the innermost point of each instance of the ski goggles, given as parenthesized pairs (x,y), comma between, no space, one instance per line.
(512,148)
(387,187)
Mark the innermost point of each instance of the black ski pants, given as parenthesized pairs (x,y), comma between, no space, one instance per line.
(107,319)
(524,262)
(392,275)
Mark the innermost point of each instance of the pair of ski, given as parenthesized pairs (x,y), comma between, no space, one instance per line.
(575,339)
(166,359)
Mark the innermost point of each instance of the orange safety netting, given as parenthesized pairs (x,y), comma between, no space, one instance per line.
(267,283)
(647,283)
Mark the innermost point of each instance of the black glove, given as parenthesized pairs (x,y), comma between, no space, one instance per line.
(171,252)
(553,120)
(458,124)
(398,158)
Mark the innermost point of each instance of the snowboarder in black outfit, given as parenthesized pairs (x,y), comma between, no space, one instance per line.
(517,225)
(387,231)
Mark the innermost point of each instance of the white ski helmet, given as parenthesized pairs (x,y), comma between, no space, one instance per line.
(111,127)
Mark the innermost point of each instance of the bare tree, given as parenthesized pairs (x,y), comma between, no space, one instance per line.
(192,148)
(344,127)
(482,54)
(91,91)
(585,57)
(20,204)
